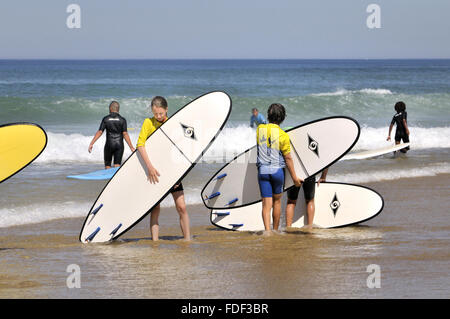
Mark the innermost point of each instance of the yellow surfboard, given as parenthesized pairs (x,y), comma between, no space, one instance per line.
(20,144)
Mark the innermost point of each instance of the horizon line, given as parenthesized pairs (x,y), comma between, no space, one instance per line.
(212,59)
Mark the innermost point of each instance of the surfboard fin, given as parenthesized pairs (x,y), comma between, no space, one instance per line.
(221,176)
(115,229)
(232,201)
(95,211)
(91,236)
(236,225)
(218,214)
(213,195)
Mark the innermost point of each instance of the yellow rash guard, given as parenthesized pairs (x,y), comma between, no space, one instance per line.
(273,143)
(148,127)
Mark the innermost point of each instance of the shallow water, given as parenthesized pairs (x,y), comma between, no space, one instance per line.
(409,242)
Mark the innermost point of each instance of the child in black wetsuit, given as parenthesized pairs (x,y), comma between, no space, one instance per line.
(402,131)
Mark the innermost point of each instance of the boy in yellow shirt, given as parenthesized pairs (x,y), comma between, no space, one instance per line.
(159,108)
(274,153)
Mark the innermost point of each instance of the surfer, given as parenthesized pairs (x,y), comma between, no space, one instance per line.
(274,153)
(257,118)
(159,109)
(116,131)
(309,189)
(402,130)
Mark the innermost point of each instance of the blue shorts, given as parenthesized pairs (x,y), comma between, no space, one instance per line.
(271,184)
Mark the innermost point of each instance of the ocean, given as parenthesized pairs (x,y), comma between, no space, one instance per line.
(68,98)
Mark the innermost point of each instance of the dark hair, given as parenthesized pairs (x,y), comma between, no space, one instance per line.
(159,101)
(254,109)
(115,106)
(276,113)
(400,106)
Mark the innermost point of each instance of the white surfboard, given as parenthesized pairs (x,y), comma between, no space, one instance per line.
(336,205)
(375,152)
(314,146)
(174,148)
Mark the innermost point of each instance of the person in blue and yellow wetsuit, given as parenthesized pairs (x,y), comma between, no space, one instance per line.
(159,109)
(273,155)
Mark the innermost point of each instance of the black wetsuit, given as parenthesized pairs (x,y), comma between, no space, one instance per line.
(400,131)
(115,125)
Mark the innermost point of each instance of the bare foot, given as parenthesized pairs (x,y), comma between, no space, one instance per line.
(267,233)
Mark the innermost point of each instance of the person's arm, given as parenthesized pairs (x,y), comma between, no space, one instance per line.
(146,131)
(152,172)
(285,148)
(389,134)
(252,121)
(128,140)
(262,119)
(96,137)
(290,166)
(405,125)
(323,176)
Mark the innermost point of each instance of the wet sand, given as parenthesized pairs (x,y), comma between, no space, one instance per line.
(409,242)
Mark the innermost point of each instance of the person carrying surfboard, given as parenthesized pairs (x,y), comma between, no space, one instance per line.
(273,154)
(116,131)
(402,130)
(257,118)
(159,108)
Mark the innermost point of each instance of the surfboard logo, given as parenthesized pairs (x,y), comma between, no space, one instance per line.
(335,204)
(313,145)
(188,131)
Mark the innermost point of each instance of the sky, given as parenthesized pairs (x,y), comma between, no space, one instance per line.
(224,29)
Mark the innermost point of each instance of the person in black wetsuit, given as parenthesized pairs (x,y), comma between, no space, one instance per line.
(402,130)
(116,131)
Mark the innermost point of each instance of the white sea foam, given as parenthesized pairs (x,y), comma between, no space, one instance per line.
(37,213)
(42,212)
(339,92)
(74,148)
(420,138)
(391,174)
(229,143)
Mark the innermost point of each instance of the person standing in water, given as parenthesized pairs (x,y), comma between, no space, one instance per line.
(402,130)
(257,118)
(274,154)
(159,108)
(116,131)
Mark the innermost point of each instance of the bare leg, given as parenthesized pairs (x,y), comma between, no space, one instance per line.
(290,209)
(180,204)
(310,210)
(276,212)
(267,207)
(154,225)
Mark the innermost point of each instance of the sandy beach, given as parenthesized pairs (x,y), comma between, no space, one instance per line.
(409,242)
